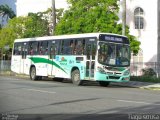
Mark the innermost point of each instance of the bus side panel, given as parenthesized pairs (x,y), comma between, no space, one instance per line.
(60,67)
(15,63)
(66,65)
(40,62)
(27,64)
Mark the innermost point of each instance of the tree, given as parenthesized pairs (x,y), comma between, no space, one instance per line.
(32,25)
(48,16)
(6,12)
(23,27)
(149,72)
(85,16)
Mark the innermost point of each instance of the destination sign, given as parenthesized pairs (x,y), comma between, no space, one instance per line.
(113,38)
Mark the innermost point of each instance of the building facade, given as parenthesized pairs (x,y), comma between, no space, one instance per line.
(142,17)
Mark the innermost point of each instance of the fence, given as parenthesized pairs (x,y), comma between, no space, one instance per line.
(135,68)
(5,65)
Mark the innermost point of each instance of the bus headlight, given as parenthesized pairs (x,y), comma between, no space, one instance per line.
(101,70)
(126,72)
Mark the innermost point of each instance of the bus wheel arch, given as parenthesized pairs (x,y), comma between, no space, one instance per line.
(75,76)
(32,73)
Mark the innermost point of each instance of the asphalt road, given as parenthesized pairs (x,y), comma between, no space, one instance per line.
(48,99)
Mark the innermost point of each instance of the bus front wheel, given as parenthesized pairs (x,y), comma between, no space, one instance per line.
(33,74)
(75,76)
(104,83)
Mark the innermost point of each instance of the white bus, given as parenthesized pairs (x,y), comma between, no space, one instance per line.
(101,57)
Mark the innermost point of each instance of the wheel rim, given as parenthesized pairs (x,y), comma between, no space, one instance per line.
(76,77)
(33,73)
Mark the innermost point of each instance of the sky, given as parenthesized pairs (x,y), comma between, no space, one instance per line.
(25,6)
(61,3)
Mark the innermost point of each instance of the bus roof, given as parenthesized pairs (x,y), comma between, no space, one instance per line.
(72,36)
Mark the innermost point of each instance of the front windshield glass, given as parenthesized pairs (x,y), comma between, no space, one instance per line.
(114,54)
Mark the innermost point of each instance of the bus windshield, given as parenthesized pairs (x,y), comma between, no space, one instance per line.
(114,54)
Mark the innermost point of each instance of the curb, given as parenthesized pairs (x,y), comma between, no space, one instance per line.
(142,85)
(150,88)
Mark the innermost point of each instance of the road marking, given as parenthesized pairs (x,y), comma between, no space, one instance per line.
(41,91)
(135,102)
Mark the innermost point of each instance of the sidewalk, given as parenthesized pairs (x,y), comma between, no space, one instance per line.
(143,85)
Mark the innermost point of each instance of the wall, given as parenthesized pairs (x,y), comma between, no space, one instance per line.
(148,35)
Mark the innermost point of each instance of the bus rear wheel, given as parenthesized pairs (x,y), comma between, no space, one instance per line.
(75,76)
(104,83)
(33,74)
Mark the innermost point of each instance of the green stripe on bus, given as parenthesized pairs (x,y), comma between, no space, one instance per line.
(44,60)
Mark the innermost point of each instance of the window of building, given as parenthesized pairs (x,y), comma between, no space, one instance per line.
(139,18)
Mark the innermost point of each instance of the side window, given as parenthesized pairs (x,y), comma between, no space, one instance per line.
(54,45)
(79,46)
(90,48)
(94,47)
(17,49)
(103,52)
(71,47)
(66,47)
(43,48)
(33,48)
(62,47)
(24,50)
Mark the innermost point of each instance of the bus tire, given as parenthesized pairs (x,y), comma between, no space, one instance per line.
(75,76)
(104,83)
(33,73)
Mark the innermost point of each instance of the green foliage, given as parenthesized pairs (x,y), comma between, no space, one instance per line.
(87,16)
(145,79)
(23,27)
(59,13)
(148,72)
(6,12)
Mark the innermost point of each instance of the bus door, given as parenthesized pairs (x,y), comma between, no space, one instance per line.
(23,61)
(52,56)
(90,58)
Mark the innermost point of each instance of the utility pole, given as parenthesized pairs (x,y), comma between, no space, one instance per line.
(124,18)
(53,16)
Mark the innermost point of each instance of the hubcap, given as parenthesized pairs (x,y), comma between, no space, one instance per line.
(76,77)
(33,73)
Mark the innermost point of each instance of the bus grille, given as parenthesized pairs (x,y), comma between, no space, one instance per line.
(114,77)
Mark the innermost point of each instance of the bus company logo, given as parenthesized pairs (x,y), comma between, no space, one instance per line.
(63,61)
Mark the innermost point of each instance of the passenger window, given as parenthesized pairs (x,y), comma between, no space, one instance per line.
(67,47)
(80,44)
(17,48)
(33,48)
(43,48)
